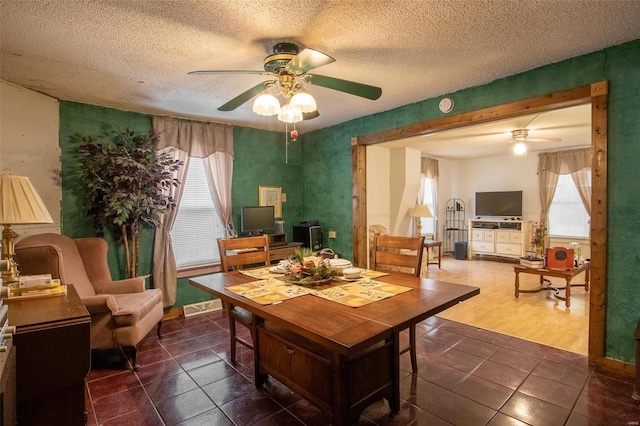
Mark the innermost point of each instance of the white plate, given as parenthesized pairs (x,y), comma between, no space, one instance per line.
(277,270)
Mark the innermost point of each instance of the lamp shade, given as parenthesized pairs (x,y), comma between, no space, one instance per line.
(421,210)
(266,104)
(20,203)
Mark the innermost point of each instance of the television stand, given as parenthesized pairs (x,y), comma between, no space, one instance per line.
(509,238)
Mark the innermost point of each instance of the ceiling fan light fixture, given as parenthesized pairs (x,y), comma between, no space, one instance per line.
(519,148)
(289,114)
(304,101)
(266,104)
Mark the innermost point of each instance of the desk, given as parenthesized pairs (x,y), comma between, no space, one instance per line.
(430,243)
(339,358)
(53,358)
(568,275)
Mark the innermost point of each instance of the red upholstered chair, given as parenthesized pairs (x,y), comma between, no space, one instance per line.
(404,254)
(122,312)
(235,253)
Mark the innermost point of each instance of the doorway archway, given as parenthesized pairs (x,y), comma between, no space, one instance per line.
(594,94)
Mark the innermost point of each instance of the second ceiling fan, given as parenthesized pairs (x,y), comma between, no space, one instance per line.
(290,71)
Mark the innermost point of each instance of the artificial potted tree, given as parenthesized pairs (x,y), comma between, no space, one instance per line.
(123,186)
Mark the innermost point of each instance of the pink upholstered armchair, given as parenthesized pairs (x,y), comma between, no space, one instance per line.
(122,312)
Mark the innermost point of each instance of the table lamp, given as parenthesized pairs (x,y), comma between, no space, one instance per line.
(419,211)
(20,204)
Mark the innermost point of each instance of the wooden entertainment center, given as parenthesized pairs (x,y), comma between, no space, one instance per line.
(499,237)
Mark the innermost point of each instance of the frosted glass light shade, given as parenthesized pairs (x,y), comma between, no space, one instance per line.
(289,114)
(519,148)
(266,104)
(304,101)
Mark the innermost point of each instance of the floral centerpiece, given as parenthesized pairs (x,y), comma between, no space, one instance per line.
(537,237)
(307,269)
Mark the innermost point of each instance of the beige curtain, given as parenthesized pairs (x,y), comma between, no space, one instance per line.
(577,163)
(429,169)
(582,180)
(165,275)
(214,143)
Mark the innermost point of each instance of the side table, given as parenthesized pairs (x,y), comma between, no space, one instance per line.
(430,243)
(53,354)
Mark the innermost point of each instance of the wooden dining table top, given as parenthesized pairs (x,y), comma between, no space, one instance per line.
(344,329)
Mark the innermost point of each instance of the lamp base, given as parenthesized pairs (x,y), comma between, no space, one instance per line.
(8,244)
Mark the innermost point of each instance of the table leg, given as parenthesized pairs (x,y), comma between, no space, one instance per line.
(517,284)
(586,279)
(567,300)
(439,256)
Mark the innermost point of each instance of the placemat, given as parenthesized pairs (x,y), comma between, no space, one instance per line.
(261,273)
(268,291)
(365,273)
(361,292)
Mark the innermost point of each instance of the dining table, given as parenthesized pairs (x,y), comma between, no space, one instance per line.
(341,357)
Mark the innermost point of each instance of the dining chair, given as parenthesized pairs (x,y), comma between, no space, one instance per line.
(236,253)
(404,255)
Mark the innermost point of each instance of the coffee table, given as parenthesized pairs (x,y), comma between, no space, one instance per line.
(567,274)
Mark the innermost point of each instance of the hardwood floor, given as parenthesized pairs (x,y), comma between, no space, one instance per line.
(538,317)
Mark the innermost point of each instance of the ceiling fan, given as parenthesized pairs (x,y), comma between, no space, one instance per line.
(520,137)
(290,68)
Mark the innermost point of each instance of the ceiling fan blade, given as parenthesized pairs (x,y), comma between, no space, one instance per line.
(307,60)
(203,72)
(244,97)
(358,89)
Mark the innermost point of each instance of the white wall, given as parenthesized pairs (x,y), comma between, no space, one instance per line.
(29,132)
(378,186)
(502,173)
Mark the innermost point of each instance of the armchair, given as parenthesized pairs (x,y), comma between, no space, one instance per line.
(122,312)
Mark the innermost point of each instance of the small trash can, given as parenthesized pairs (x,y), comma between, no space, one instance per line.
(460,250)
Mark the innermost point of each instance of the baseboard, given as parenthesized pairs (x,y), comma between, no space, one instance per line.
(612,367)
(202,307)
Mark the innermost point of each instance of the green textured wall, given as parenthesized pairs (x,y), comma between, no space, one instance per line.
(98,121)
(260,160)
(325,165)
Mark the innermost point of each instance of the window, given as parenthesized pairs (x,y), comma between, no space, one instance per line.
(567,215)
(197,227)
(429,224)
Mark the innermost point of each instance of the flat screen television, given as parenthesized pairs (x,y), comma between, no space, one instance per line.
(255,220)
(499,204)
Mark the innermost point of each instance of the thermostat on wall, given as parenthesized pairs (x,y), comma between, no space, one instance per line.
(446,105)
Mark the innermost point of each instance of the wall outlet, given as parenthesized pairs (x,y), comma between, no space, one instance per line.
(284,197)
(332,234)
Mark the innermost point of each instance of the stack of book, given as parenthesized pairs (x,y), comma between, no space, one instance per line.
(36,286)
(532,262)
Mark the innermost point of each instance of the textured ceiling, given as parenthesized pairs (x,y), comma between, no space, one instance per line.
(135,54)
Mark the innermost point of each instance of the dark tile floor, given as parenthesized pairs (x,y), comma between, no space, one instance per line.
(467,376)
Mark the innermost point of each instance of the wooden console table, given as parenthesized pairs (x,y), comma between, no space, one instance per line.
(53,351)
(279,252)
(568,275)
(339,358)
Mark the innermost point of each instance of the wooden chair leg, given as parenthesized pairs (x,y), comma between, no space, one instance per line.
(232,334)
(159,327)
(412,349)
